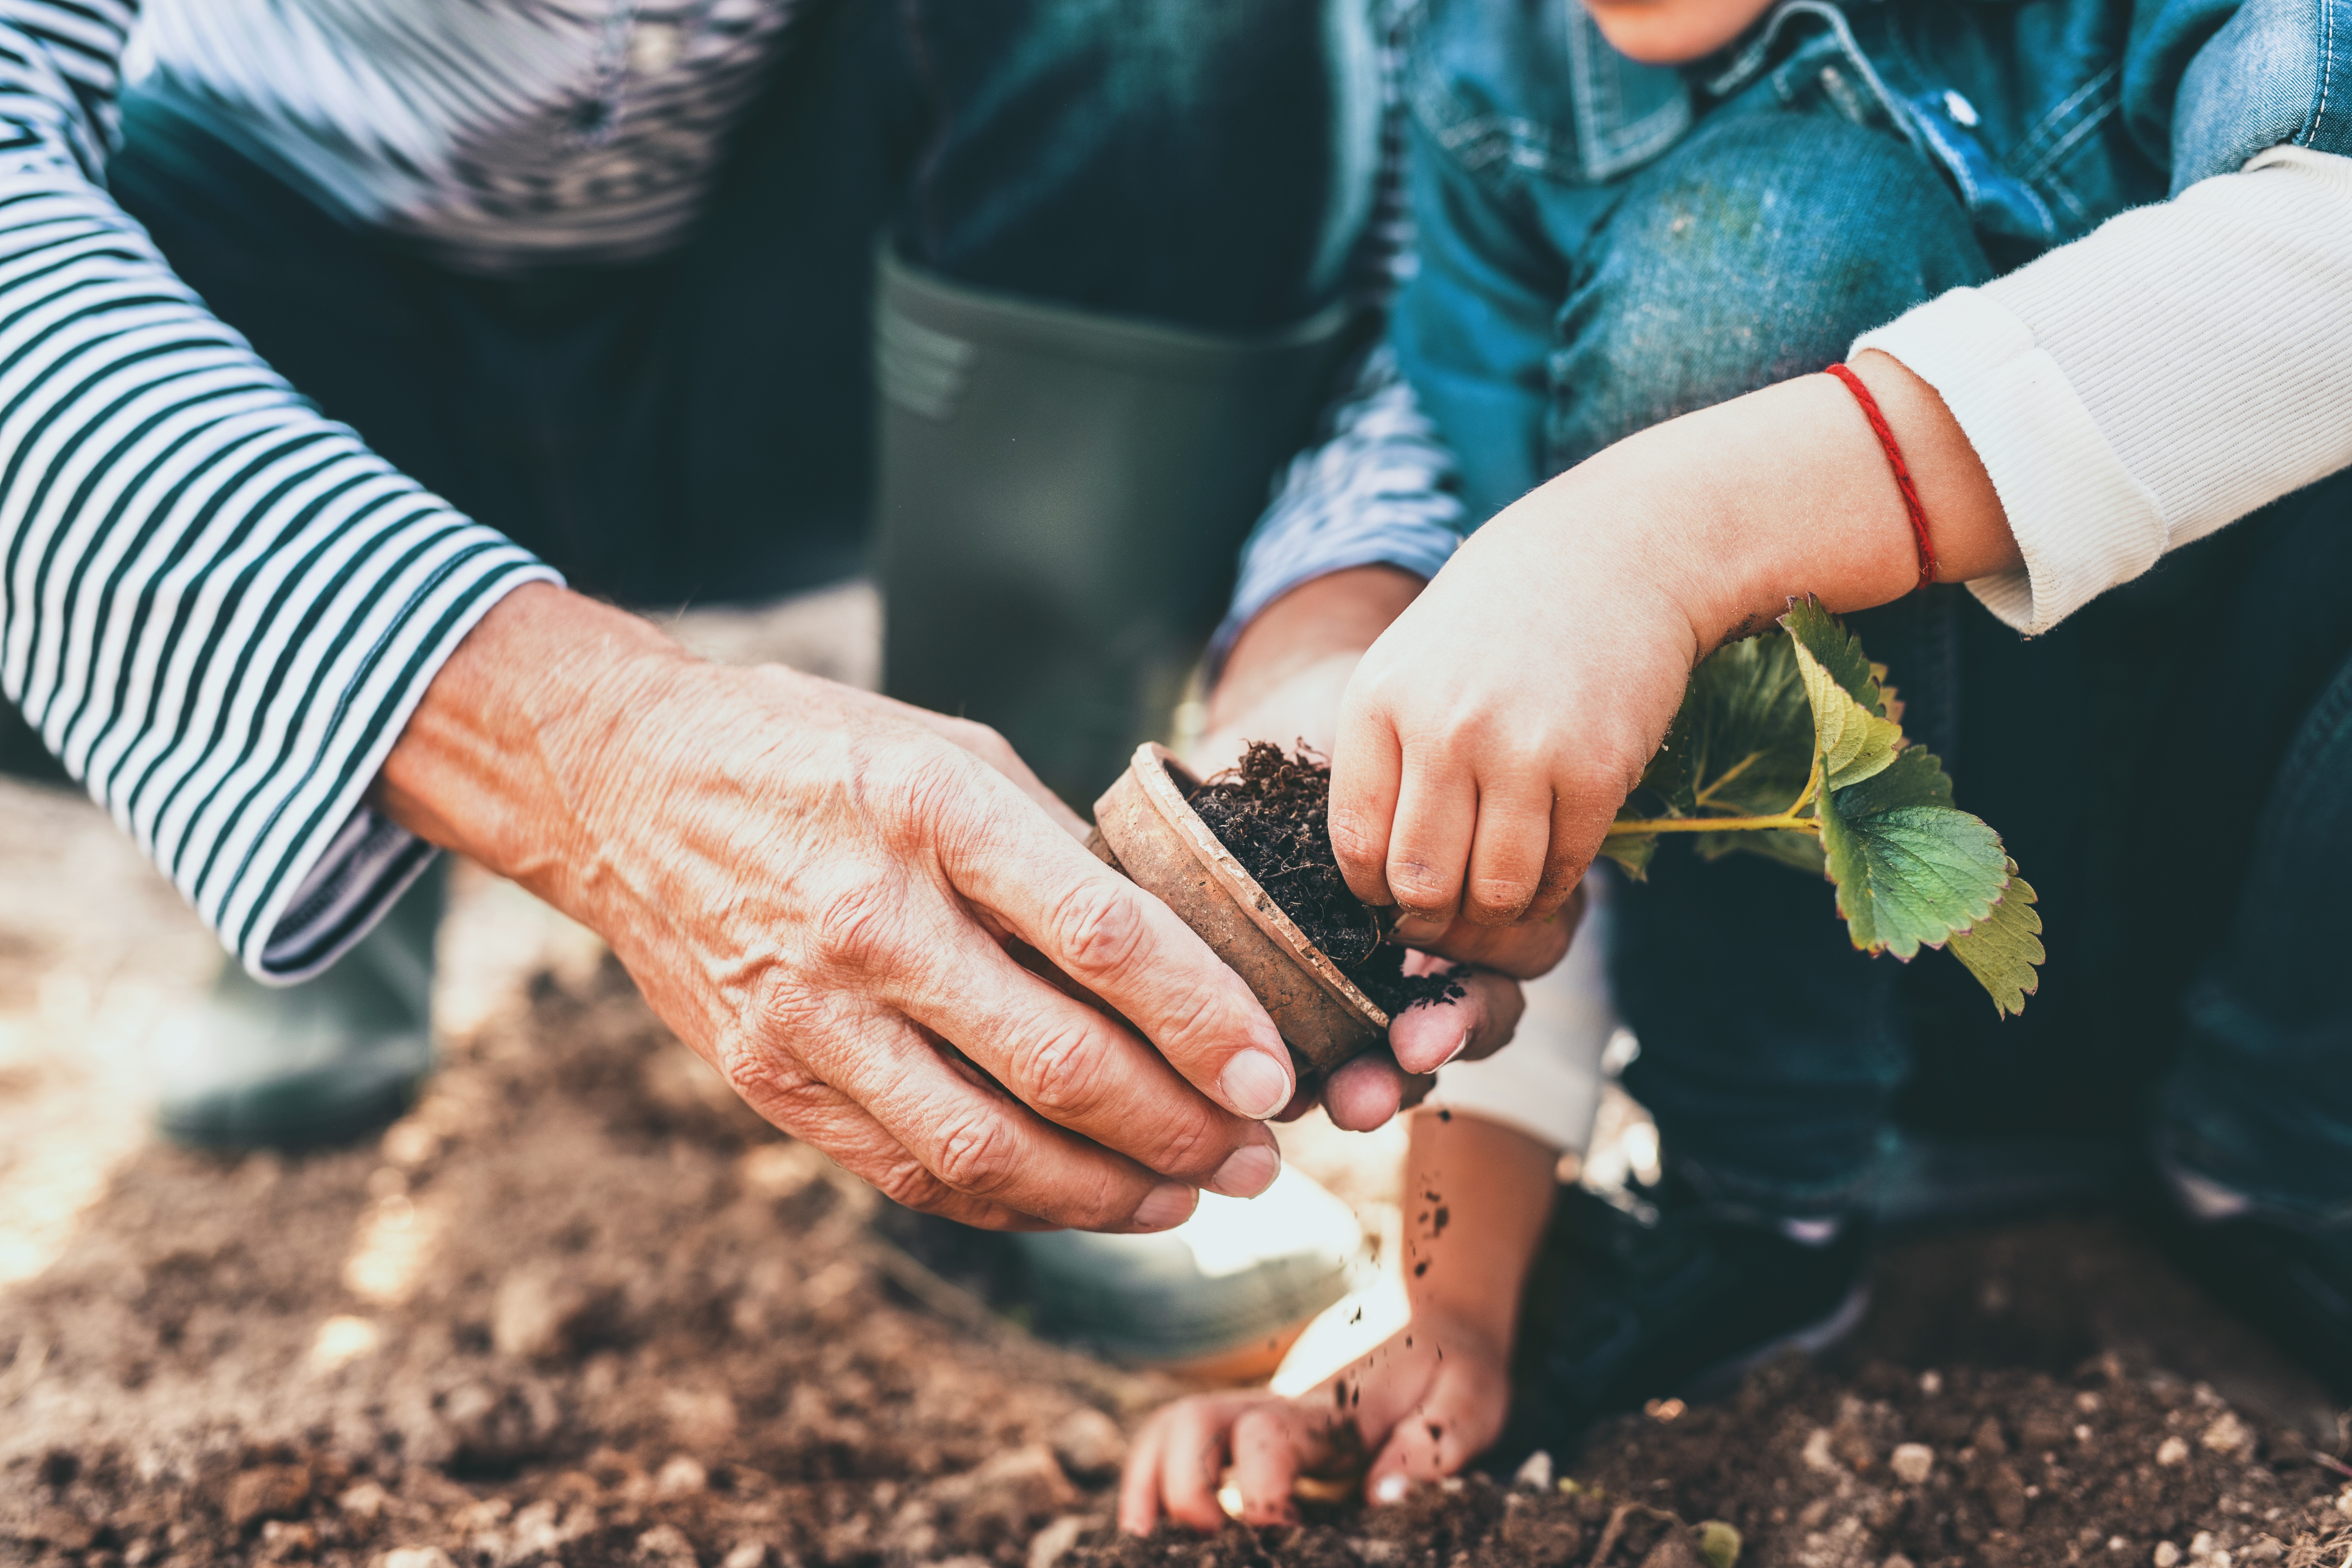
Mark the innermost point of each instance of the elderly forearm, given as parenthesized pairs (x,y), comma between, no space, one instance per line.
(1335,616)
(495,761)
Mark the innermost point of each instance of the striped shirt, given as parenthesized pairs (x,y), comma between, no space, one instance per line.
(219,608)
(216,607)
(498,134)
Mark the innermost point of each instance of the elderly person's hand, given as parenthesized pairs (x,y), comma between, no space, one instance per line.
(872,920)
(1283,683)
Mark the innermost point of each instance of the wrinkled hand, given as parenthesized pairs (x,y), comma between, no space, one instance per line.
(1421,1414)
(817,889)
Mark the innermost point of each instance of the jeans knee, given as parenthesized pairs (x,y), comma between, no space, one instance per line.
(1757,250)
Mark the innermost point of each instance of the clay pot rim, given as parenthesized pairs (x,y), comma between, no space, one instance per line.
(1156,768)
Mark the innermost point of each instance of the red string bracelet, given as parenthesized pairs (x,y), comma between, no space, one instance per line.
(1917,513)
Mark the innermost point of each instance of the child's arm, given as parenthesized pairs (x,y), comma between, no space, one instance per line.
(1424,1402)
(1488,737)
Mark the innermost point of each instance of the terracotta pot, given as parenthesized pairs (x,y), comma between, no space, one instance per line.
(1144,829)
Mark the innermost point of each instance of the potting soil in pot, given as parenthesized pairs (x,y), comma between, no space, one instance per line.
(1272,812)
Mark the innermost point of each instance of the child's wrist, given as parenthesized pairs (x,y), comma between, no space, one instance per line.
(1782,492)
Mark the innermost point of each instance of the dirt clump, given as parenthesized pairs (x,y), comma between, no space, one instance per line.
(1273,811)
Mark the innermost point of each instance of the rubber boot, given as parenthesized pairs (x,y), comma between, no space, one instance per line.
(321,1063)
(1062,499)
(1220,1298)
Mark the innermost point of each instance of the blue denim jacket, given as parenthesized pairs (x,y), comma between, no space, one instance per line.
(2046,116)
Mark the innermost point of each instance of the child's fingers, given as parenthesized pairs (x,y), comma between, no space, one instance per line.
(1193,1440)
(1267,1442)
(1581,809)
(1452,1424)
(1429,847)
(1507,851)
(1366,768)
(1474,1025)
(1138,1484)
(1523,951)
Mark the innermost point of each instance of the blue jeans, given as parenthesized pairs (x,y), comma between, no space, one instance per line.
(700,428)
(2172,767)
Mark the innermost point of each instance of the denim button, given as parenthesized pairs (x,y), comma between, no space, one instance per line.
(1963,112)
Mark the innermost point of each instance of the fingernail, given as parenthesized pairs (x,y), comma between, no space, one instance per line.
(1419,928)
(1248,1172)
(1171,1204)
(1390,1489)
(1255,1084)
(1460,1046)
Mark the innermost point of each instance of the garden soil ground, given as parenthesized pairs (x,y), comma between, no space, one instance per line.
(580,1306)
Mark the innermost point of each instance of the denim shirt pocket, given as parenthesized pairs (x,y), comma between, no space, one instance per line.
(2028,151)
(2001,199)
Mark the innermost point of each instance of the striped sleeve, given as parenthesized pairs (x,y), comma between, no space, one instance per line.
(216,607)
(1379,490)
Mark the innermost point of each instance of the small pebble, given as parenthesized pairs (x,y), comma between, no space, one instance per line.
(1913,1463)
(683,1476)
(2227,1434)
(1049,1545)
(1536,1473)
(2165,1555)
(2171,1451)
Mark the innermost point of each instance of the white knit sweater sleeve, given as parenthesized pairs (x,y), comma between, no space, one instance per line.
(2166,374)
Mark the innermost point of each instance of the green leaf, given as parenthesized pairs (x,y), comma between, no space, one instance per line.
(1741,745)
(2002,948)
(1747,731)
(1718,1542)
(1855,742)
(1911,871)
(1631,851)
(1838,651)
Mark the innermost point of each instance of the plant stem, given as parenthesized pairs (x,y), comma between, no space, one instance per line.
(1785,820)
(1707,795)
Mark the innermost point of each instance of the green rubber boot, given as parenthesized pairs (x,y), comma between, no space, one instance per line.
(1062,498)
(318,1064)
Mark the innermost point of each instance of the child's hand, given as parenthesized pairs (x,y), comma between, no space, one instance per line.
(1425,1403)
(1491,733)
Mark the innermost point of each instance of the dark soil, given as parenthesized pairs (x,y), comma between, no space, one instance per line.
(1272,812)
(1951,1467)
(582,1308)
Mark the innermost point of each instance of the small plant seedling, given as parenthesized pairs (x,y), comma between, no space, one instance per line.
(1792,747)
